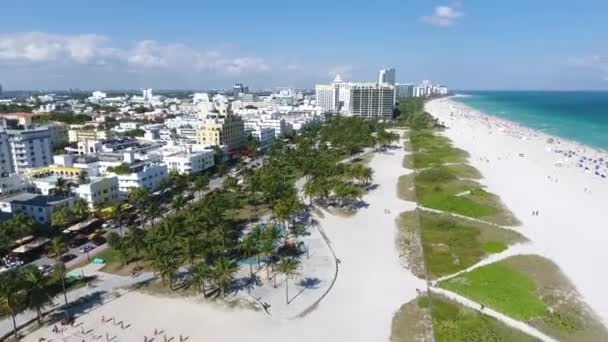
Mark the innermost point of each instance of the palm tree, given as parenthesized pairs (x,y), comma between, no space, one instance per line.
(289,267)
(140,197)
(179,202)
(11,284)
(224,271)
(37,296)
(268,248)
(249,248)
(57,247)
(118,213)
(153,211)
(133,242)
(201,184)
(163,186)
(200,273)
(256,235)
(81,208)
(62,187)
(21,225)
(61,217)
(191,247)
(231,183)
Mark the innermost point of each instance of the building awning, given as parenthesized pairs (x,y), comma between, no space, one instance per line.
(31,245)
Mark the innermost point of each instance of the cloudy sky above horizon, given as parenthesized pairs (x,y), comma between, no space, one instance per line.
(468,44)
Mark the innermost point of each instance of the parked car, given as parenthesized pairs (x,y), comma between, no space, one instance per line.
(77,242)
(86,248)
(96,234)
(45,268)
(67,257)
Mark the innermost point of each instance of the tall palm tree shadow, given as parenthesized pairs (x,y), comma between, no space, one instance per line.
(245,283)
(306,284)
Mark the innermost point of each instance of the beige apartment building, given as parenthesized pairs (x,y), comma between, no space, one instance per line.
(226,130)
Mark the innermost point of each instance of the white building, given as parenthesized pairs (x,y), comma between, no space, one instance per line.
(143,174)
(38,207)
(147,94)
(368,100)
(99,190)
(372,101)
(183,121)
(29,148)
(98,95)
(187,161)
(387,76)
(265,135)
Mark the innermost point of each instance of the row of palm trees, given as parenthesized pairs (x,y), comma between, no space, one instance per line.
(28,288)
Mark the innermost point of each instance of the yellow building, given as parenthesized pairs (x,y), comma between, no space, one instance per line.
(226,130)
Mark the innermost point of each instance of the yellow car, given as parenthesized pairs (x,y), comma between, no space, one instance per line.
(96,234)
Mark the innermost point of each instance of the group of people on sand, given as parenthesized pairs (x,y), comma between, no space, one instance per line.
(535,213)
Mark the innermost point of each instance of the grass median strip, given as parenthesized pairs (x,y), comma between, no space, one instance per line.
(452,244)
(532,289)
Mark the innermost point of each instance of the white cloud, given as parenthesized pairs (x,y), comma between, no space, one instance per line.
(38,47)
(91,49)
(444,16)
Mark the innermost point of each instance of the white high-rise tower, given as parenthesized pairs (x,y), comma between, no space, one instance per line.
(386,76)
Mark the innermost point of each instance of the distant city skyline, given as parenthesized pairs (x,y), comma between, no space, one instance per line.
(192,45)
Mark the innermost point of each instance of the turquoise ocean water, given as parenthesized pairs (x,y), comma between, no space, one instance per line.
(577,116)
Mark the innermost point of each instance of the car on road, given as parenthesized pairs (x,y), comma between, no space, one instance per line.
(78,241)
(97,233)
(67,257)
(99,240)
(46,268)
(86,248)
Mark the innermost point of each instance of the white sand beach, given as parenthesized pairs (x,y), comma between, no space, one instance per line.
(370,287)
(532,171)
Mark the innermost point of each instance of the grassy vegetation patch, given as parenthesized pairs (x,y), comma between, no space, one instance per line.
(494,247)
(455,323)
(432,150)
(409,243)
(532,289)
(413,323)
(453,244)
(116,265)
(408,162)
(440,188)
(406,189)
(501,287)
(464,171)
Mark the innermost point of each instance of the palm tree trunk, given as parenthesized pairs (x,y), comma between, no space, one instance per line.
(251,270)
(38,315)
(286,291)
(14,323)
(65,294)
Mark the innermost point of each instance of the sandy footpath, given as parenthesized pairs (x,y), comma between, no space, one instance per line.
(521,166)
(370,287)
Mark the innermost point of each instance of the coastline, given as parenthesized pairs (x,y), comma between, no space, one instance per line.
(521,166)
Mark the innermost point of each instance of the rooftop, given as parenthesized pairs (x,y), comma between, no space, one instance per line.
(32,199)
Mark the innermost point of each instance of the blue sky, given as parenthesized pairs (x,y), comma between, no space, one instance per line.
(468,44)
